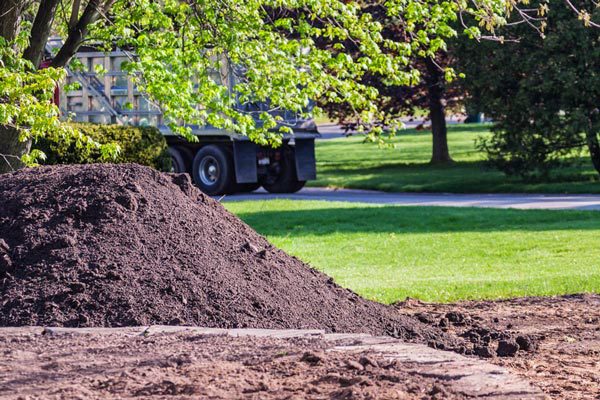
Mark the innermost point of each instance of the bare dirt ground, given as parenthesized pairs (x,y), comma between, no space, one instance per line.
(200,367)
(564,333)
(554,343)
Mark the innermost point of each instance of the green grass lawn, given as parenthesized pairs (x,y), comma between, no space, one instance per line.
(387,253)
(349,163)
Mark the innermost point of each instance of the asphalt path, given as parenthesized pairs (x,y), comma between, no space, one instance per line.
(520,201)
(331,130)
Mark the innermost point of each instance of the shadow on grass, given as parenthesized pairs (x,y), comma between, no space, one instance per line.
(453,128)
(421,168)
(398,220)
(458,177)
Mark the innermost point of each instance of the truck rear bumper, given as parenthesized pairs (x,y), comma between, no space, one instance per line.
(245,155)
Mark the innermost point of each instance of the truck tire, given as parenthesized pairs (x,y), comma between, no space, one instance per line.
(286,181)
(181,159)
(188,157)
(212,170)
(178,164)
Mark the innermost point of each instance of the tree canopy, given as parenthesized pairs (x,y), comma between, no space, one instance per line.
(542,93)
(179,46)
(432,92)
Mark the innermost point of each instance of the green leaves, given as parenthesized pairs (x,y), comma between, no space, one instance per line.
(26,94)
(26,97)
(266,52)
(235,64)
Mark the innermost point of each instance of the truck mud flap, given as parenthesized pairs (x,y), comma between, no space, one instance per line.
(306,168)
(244,159)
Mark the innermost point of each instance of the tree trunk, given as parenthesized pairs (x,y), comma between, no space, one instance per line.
(435,95)
(11,149)
(10,18)
(594,147)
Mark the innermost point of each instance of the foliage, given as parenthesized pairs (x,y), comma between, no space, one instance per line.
(141,145)
(542,93)
(26,94)
(182,52)
(26,102)
(271,54)
(435,253)
(397,101)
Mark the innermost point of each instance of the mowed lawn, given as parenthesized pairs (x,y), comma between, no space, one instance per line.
(387,253)
(350,163)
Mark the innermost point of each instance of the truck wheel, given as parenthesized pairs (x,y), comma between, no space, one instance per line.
(178,164)
(181,159)
(286,181)
(212,170)
(188,157)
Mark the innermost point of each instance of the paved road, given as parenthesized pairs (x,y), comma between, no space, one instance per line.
(522,201)
(330,130)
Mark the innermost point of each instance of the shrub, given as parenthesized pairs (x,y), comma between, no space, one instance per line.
(141,145)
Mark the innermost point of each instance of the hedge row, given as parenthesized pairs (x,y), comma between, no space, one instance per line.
(141,145)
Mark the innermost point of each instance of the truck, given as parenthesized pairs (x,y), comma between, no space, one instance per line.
(219,162)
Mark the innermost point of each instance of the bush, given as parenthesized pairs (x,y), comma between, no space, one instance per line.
(140,145)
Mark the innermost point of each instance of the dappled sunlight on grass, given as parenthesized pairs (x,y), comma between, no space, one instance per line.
(349,163)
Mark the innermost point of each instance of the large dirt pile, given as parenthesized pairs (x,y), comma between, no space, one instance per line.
(115,245)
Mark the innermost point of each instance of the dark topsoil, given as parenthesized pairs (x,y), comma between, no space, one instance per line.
(122,245)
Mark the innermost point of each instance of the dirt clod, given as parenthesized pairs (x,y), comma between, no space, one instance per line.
(526,343)
(507,348)
(366,361)
(312,358)
(455,318)
(351,364)
(484,351)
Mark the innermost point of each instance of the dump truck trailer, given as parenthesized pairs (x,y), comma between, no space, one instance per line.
(220,162)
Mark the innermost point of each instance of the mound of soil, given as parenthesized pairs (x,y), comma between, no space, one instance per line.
(121,245)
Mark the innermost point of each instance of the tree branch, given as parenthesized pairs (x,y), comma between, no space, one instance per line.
(91,14)
(40,31)
(74,13)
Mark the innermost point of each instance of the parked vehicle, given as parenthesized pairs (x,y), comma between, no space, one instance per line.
(220,162)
